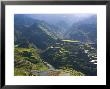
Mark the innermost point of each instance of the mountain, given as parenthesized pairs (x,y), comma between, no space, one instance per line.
(63,26)
(22,19)
(56,18)
(61,42)
(34,31)
(71,55)
(85,30)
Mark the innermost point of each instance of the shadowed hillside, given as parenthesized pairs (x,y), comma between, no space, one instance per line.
(60,46)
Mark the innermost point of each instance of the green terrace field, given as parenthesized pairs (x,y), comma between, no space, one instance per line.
(55,45)
(70,41)
(26,60)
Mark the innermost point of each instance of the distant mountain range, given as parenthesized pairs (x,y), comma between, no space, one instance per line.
(63,41)
(85,30)
(42,33)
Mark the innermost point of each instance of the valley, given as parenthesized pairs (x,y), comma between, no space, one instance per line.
(44,49)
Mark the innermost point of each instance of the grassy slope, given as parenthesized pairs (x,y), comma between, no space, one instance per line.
(27,59)
(70,40)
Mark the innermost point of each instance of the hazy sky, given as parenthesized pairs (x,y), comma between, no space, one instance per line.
(79,15)
(57,17)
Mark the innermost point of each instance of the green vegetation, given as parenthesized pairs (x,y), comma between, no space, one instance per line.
(71,56)
(26,60)
(70,40)
(72,71)
(40,46)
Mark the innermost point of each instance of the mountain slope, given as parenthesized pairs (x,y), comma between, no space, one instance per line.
(85,30)
(65,47)
(36,33)
(26,60)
